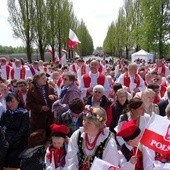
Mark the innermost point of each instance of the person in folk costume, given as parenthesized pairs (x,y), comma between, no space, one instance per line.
(57,79)
(92,78)
(148,78)
(19,71)
(73,66)
(154,160)
(155,87)
(142,72)
(56,152)
(166,83)
(90,141)
(135,111)
(40,97)
(119,68)
(138,63)
(82,68)
(132,80)
(5,69)
(9,61)
(102,66)
(99,99)
(42,68)
(158,80)
(4,91)
(131,157)
(34,69)
(161,69)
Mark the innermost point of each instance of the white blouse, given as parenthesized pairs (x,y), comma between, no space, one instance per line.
(110,153)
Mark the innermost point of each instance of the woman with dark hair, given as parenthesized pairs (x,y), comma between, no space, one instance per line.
(15,123)
(136,111)
(40,97)
(68,92)
(73,117)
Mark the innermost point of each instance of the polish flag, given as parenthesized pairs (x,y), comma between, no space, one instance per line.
(55,57)
(100,164)
(157,134)
(64,51)
(72,40)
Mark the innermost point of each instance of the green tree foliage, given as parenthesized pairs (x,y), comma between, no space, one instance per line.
(86,47)
(40,27)
(140,24)
(137,22)
(156,25)
(21,19)
(60,18)
(10,50)
(109,42)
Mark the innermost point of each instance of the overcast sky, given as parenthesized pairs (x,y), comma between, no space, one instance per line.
(97,15)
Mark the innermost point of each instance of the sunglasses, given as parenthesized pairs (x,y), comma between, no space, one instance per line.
(98,92)
(156,79)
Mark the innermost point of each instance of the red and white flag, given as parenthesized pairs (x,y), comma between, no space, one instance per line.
(55,57)
(64,51)
(99,164)
(72,40)
(157,134)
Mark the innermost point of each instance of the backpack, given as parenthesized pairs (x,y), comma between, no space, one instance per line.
(33,158)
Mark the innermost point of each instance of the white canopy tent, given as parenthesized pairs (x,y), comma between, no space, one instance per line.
(142,54)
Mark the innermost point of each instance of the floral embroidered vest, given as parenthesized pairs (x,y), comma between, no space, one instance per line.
(85,161)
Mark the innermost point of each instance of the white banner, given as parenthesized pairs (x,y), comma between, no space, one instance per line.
(99,164)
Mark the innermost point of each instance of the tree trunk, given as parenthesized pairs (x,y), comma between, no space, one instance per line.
(29,52)
(127,52)
(137,48)
(41,50)
(53,52)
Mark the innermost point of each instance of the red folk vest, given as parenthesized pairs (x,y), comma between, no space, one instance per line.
(164,84)
(74,68)
(100,68)
(87,80)
(162,70)
(8,68)
(22,73)
(59,82)
(83,69)
(127,80)
(162,90)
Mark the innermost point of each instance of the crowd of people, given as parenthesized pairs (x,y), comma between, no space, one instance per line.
(81,111)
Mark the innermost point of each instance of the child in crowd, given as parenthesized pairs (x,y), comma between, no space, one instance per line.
(131,158)
(55,154)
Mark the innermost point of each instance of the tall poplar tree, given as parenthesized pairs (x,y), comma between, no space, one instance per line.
(21,13)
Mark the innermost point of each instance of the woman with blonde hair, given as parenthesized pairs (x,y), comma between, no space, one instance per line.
(148,97)
(90,141)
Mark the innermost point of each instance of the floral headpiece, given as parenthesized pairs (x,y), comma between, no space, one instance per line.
(92,113)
